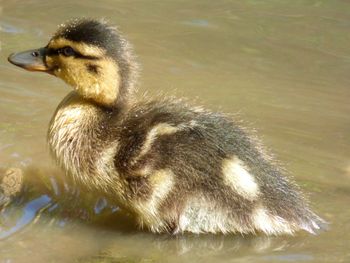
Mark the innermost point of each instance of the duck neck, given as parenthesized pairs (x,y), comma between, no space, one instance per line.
(80,141)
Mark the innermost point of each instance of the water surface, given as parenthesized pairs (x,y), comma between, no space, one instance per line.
(283,66)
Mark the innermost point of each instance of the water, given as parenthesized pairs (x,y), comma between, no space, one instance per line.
(283,66)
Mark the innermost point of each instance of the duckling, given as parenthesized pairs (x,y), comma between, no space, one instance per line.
(176,168)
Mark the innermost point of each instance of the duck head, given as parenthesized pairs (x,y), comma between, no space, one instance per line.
(89,55)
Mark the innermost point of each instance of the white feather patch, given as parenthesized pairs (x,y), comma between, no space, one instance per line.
(158,130)
(162,182)
(270,224)
(204,216)
(238,177)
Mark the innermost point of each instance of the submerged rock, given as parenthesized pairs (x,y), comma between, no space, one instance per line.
(11,184)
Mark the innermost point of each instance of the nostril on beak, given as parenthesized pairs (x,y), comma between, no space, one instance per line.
(35,54)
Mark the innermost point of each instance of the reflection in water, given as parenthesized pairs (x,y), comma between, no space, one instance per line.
(190,248)
(11,225)
(26,196)
(52,203)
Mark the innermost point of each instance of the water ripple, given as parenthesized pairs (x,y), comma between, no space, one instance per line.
(8,28)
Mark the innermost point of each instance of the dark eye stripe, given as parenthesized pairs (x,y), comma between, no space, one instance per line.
(52,52)
(56,52)
(78,55)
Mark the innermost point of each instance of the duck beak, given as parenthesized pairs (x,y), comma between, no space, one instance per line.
(32,60)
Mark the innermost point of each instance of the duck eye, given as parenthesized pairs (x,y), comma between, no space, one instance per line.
(68,51)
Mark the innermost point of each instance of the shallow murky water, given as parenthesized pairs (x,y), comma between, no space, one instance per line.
(282,65)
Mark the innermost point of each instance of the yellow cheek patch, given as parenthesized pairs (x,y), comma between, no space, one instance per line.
(101,84)
(82,48)
(53,63)
(49,61)
(101,87)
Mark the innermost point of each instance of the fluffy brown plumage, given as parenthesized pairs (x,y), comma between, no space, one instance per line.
(175,167)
